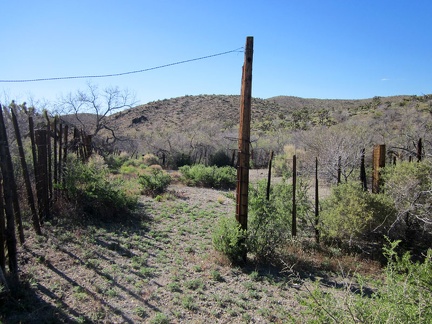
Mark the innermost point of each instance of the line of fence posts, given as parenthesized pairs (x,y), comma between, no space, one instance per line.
(9,228)
(49,146)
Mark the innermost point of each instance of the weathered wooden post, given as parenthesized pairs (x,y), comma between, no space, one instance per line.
(317,237)
(339,170)
(55,150)
(378,163)
(26,176)
(65,151)
(269,175)
(2,229)
(14,189)
(60,154)
(363,178)
(244,137)
(419,150)
(49,160)
(294,206)
(87,142)
(42,174)
(8,178)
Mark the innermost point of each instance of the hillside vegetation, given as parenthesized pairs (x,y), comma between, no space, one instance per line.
(199,126)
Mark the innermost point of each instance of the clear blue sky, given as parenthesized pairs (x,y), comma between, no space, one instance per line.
(339,49)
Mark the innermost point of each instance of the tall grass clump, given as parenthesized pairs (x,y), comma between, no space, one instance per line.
(209,177)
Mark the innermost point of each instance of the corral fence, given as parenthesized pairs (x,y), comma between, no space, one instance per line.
(42,174)
(379,157)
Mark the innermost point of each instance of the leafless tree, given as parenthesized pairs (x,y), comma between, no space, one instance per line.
(89,110)
(336,148)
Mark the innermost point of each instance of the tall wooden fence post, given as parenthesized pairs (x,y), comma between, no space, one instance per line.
(244,136)
(42,174)
(2,229)
(269,175)
(317,236)
(26,176)
(7,175)
(294,207)
(49,162)
(60,154)
(55,163)
(378,163)
(14,188)
(419,150)
(363,178)
(65,151)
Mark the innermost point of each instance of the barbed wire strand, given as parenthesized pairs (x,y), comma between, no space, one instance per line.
(237,50)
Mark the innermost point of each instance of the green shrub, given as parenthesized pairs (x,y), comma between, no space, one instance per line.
(210,177)
(220,159)
(229,238)
(114,161)
(349,212)
(150,159)
(94,192)
(155,183)
(409,186)
(281,167)
(178,160)
(404,296)
(269,223)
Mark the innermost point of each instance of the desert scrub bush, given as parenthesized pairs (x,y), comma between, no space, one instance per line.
(350,212)
(282,165)
(269,226)
(93,191)
(229,238)
(210,177)
(403,296)
(150,159)
(409,186)
(177,160)
(154,183)
(133,167)
(114,161)
(220,159)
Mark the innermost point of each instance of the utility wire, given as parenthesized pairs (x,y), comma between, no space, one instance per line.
(237,50)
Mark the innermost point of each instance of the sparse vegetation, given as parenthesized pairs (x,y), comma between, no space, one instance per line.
(209,177)
(157,263)
(155,183)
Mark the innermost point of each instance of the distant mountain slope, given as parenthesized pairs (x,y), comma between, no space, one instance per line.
(223,111)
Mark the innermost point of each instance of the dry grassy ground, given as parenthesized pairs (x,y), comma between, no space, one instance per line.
(158,266)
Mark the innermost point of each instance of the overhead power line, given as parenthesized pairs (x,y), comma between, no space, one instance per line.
(237,50)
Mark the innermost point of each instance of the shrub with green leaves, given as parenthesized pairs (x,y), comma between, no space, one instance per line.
(154,183)
(150,159)
(92,189)
(404,295)
(409,186)
(349,212)
(210,177)
(220,159)
(229,238)
(269,223)
(114,161)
